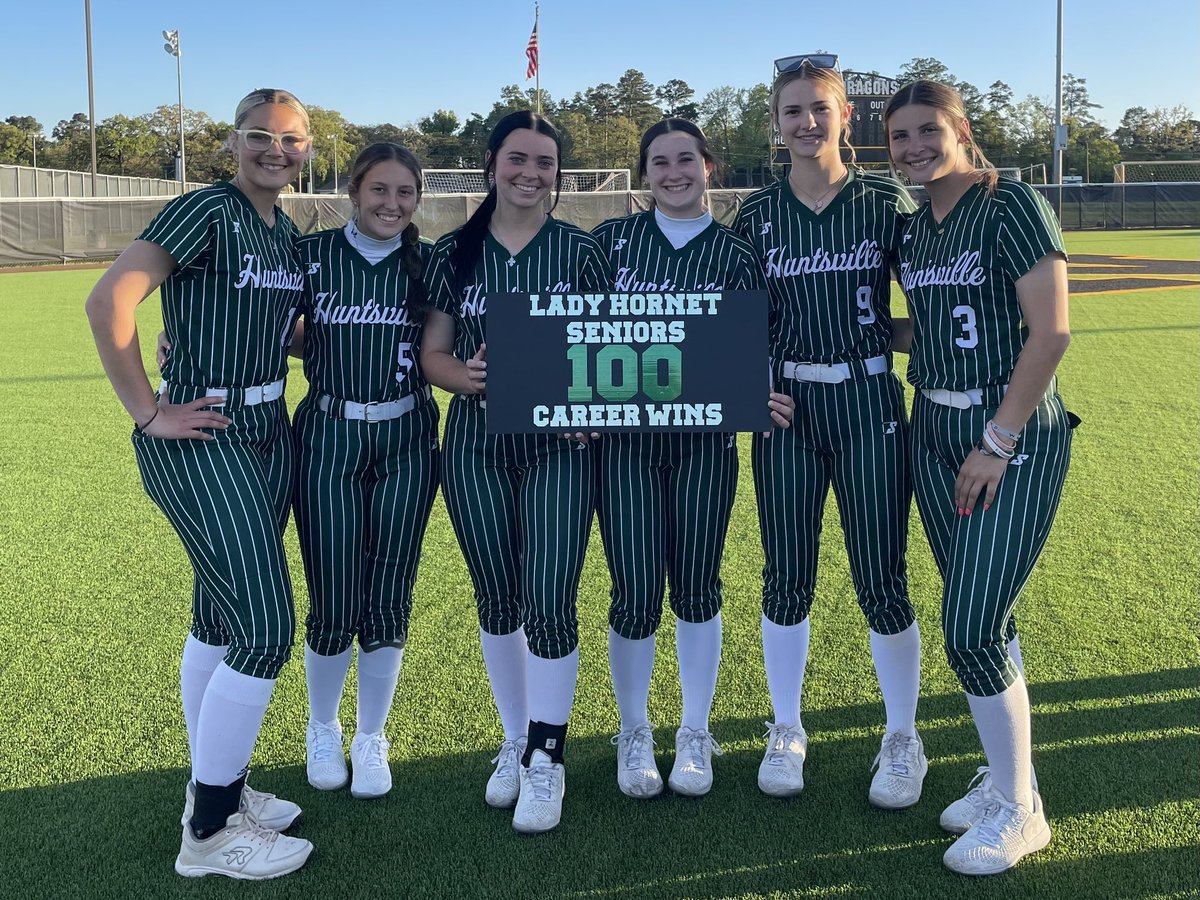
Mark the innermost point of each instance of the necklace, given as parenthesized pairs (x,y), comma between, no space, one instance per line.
(818,202)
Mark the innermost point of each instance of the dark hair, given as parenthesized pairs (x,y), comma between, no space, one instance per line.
(417,300)
(946,99)
(832,79)
(666,126)
(468,247)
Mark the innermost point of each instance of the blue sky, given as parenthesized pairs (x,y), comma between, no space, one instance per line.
(398,61)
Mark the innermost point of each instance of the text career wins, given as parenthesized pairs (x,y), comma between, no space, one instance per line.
(624,361)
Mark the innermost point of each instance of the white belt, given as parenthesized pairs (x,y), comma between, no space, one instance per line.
(369,412)
(251,396)
(958,399)
(832,373)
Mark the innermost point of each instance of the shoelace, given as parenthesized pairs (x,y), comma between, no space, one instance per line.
(997,817)
(976,788)
(506,756)
(636,742)
(257,829)
(779,736)
(899,754)
(376,753)
(327,743)
(697,742)
(541,780)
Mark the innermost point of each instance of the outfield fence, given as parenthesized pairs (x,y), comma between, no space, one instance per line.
(25,181)
(36,230)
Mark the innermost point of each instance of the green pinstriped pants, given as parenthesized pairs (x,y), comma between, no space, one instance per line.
(228,501)
(521,507)
(364,491)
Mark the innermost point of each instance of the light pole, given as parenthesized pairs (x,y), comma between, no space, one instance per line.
(335,163)
(87,18)
(33,137)
(172,47)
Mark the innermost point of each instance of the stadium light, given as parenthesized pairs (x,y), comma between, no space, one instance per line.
(87,21)
(172,47)
(335,163)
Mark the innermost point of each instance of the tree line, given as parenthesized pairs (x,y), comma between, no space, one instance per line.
(601,127)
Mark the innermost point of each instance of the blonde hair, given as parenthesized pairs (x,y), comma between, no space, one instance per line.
(259,96)
(945,99)
(831,80)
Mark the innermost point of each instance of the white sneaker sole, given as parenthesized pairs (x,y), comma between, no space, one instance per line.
(201,871)
(1039,842)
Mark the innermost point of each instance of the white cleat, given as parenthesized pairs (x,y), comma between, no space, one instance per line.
(369,760)
(959,816)
(543,784)
(326,763)
(504,785)
(901,773)
(268,810)
(637,773)
(243,849)
(781,773)
(692,774)
(1005,833)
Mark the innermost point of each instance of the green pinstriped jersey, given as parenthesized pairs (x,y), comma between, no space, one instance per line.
(643,259)
(829,272)
(560,258)
(360,339)
(228,306)
(960,278)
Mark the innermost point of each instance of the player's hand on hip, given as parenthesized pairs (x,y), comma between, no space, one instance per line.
(978,478)
(477,370)
(162,350)
(186,421)
(783,411)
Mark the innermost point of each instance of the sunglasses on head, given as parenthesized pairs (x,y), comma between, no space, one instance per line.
(816,60)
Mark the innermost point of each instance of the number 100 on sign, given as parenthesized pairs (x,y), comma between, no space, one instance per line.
(617,373)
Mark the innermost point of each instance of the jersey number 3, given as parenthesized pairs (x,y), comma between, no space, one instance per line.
(969,339)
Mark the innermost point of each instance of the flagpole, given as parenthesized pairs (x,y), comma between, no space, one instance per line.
(537,13)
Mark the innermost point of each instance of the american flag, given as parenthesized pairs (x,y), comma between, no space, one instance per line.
(531,51)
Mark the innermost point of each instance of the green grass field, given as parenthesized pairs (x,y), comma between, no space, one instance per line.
(94,606)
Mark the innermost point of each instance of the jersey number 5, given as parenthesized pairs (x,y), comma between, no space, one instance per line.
(404,361)
(970,335)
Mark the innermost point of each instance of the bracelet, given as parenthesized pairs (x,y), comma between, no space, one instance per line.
(996,449)
(996,437)
(157,409)
(1013,436)
(983,449)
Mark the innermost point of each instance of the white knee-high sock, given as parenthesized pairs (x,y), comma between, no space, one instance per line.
(230,717)
(552,687)
(785,654)
(199,661)
(897,659)
(698,649)
(326,678)
(378,672)
(631,663)
(505,657)
(1014,650)
(1003,724)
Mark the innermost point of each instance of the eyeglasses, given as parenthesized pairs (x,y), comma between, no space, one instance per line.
(256,139)
(816,60)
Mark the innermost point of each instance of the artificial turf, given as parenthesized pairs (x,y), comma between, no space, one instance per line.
(94,607)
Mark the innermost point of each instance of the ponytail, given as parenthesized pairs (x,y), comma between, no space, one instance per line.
(417,300)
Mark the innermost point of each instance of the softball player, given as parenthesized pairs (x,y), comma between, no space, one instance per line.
(984,270)
(827,238)
(521,505)
(215,454)
(664,500)
(366,460)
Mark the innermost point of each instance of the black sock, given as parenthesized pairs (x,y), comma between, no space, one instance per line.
(214,805)
(547,738)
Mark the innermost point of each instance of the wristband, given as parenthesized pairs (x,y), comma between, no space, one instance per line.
(157,409)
